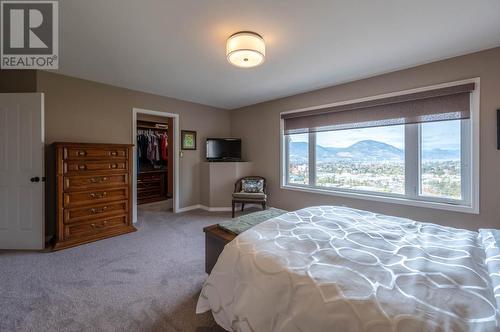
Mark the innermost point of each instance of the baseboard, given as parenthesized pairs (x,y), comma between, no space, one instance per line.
(208,208)
(189,208)
(215,209)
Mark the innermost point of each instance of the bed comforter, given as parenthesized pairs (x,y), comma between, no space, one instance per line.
(339,269)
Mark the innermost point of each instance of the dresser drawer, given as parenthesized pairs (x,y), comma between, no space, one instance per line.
(75,153)
(76,215)
(72,183)
(89,166)
(94,227)
(73,199)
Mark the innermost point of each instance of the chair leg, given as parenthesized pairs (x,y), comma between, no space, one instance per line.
(242,206)
(233,208)
(264,206)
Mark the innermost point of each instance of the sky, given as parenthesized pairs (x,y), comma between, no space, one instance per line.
(435,135)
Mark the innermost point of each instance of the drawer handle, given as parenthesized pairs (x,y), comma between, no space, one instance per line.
(98,180)
(98,195)
(113,165)
(82,167)
(113,153)
(82,153)
(101,210)
(99,226)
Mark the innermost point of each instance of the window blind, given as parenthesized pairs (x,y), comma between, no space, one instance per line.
(450,103)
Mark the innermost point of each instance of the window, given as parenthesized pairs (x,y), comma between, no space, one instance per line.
(298,160)
(367,159)
(424,162)
(440,159)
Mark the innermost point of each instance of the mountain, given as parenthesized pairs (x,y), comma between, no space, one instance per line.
(299,152)
(441,154)
(367,150)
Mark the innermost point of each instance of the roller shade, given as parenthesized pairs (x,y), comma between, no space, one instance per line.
(450,103)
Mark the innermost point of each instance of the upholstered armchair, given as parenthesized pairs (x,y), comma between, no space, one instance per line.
(251,190)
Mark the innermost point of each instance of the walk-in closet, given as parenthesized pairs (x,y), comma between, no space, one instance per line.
(154,159)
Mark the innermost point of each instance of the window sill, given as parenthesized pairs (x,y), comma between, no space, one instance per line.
(386,199)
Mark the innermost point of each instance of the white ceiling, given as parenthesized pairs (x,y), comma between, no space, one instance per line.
(176,48)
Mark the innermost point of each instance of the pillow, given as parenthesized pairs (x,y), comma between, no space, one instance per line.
(252,185)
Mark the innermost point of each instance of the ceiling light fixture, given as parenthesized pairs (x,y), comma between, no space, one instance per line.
(245,49)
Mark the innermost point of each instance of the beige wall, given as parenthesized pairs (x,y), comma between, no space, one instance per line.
(84,111)
(258,126)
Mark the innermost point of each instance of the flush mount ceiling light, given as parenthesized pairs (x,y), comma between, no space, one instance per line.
(245,49)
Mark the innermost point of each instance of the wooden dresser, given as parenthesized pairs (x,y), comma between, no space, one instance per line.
(94,195)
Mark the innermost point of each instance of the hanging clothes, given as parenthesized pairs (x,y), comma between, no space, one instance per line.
(142,145)
(152,146)
(164,146)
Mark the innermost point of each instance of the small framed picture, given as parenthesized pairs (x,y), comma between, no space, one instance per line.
(188,139)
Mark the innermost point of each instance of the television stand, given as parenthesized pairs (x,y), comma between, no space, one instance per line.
(227,160)
(217,181)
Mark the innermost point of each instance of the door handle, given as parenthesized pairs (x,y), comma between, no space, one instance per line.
(35,179)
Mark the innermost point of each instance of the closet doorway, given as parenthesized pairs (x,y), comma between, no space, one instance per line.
(155,174)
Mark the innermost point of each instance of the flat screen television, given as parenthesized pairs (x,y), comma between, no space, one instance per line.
(223,149)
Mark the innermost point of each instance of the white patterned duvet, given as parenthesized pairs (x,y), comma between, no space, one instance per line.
(338,269)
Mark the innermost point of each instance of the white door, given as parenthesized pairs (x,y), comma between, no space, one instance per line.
(21,171)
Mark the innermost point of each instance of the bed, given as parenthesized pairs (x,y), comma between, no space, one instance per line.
(332,268)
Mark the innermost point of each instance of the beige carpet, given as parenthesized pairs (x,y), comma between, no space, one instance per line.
(144,281)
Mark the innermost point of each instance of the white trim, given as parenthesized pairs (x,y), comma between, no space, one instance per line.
(176,148)
(473,206)
(42,120)
(189,208)
(385,199)
(204,207)
(215,209)
(283,154)
(475,146)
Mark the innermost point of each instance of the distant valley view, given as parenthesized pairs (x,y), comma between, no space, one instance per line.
(376,166)
(368,150)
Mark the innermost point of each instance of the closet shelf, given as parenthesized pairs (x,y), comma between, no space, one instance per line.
(151,125)
(161,170)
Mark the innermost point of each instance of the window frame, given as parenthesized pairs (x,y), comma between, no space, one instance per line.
(412,197)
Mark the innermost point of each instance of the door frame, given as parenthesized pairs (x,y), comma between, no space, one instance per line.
(176,147)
